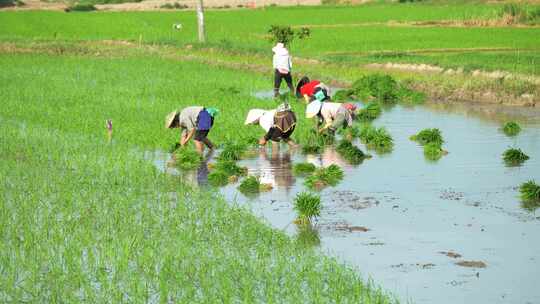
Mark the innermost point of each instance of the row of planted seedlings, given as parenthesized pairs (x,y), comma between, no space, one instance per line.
(515,157)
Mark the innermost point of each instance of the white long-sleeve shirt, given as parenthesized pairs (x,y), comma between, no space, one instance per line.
(282,62)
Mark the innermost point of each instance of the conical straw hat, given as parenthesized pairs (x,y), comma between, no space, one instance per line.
(253,116)
(170,119)
(267,120)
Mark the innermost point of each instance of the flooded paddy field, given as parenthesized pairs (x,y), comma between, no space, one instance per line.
(449,231)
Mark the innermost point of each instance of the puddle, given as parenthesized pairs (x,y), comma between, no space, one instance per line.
(420,229)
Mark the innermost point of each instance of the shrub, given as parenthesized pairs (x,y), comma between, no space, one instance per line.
(303,168)
(250,185)
(377,139)
(370,112)
(78,7)
(350,152)
(308,206)
(187,158)
(428,136)
(232,151)
(285,34)
(322,177)
(511,128)
(514,157)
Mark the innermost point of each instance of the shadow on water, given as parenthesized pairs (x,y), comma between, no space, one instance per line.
(394,215)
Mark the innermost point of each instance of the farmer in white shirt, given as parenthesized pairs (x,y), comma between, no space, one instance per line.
(282,68)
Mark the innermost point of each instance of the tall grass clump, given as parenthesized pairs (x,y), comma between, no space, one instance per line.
(514,157)
(511,128)
(322,177)
(303,169)
(315,141)
(308,206)
(232,151)
(512,13)
(350,152)
(371,111)
(530,195)
(187,158)
(377,139)
(381,88)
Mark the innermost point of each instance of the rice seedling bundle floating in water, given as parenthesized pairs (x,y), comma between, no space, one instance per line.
(187,158)
(251,185)
(511,128)
(218,178)
(232,151)
(514,157)
(329,176)
(350,152)
(530,195)
(433,151)
(230,167)
(315,141)
(370,112)
(303,168)
(377,139)
(308,206)
(428,136)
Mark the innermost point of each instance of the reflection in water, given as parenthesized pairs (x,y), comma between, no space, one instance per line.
(195,177)
(307,236)
(328,157)
(279,171)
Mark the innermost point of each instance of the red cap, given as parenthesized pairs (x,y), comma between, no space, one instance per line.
(349,106)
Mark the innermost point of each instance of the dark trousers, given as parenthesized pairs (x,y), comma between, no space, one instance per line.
(277,81)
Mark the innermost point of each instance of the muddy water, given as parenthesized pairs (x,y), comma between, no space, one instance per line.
(406,222)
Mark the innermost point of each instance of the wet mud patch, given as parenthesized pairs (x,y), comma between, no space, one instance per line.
(351,200)
(450,254)
(413,266)
(451,195)
(341,227)
(472,264)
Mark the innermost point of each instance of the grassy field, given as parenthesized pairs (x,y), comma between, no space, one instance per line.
(84,220)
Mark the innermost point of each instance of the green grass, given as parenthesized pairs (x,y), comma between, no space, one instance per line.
(514,157)
(218,178)
(250,185)
(511,128)
(315,142)
(187,158)
(230,167)
(369,112)
(232,151)
(308,206)
(303,169)
(351,153)
(377,139)
(322,177)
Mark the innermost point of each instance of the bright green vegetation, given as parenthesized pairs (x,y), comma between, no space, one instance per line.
(514,157)
(250,185)
(382,89)
(511,128)
(520,13)
(307,236)
(303,168)
(315,141)
(350,152)
(85,220)
(187,158)
(351,132)
(433,151)
(322,177)
(223,171)
(369,112)
(377,139)
(232,151)
(530,195)
(218,178)
(308,206)
(429,136)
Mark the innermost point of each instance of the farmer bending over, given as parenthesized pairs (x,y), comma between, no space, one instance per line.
(334,115)
(279,124)
(282,68)
(193,122)
(310,88)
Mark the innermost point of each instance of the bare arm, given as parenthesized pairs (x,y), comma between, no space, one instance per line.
(187,136)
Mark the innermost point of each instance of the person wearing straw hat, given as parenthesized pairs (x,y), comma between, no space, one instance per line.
(279,124)
(310,88)
(334,115)
(194,122)
(282,68)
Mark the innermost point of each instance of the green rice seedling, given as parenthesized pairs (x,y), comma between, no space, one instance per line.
(350,152)
(343,95)
(514,157)
(307,206)
(230,167)
(232,151)
(351,132)
(530,191)
(370,112)
(379,87)
(307,236)
(315,141)
(322,177)
(303,168)
(218,178)
(187,158)
(377,139)
(511,128)
(428,136)
(433,151)
(407,96)
(250,185)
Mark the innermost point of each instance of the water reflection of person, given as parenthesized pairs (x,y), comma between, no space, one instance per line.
(328,157)
(279,171)
(198,177)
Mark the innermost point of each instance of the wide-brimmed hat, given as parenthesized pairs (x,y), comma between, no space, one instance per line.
(267,120)
(313,108)
(169,119)
(253,116)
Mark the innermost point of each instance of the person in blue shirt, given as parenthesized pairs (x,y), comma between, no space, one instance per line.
(194,122)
